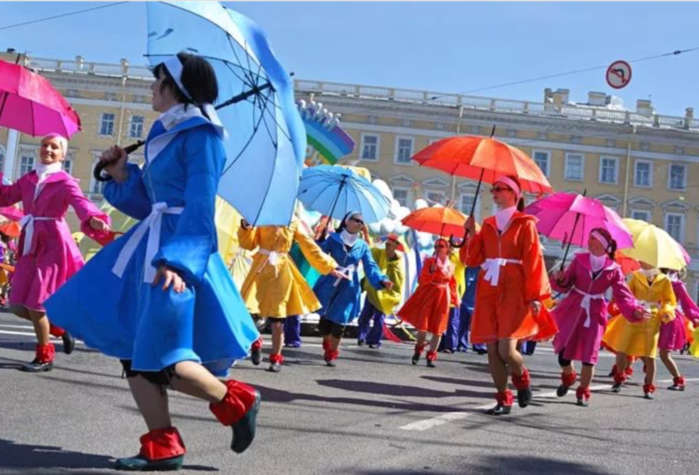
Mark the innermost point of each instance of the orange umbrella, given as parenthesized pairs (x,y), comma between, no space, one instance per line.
(12,229)
(628,264)
(440,221)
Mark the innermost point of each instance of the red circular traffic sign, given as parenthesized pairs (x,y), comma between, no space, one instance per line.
(619,74)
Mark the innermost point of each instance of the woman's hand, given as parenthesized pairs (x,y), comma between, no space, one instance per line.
(641,314)
(535,307)
(171,277)
(338,274)
(470,226)
(115,157)
(97,224)
(387,284)
(244,224)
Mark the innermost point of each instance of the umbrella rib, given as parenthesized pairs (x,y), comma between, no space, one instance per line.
(247,144)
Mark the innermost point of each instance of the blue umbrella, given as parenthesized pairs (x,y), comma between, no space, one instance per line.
(267,138)
(335,191)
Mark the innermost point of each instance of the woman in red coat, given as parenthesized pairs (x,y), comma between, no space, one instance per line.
(428,308)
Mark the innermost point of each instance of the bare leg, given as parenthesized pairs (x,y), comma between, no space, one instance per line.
(193,379)
(21,311)
(421,337)
(277,336)
(152,402)
(41,326)
(334,343)
(498,369)
(650,370)
(586,376)
(434,342)
(621,363)
(507,350)
(570,369)
(669,363)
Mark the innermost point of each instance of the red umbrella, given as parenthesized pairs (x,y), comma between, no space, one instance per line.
(438,220)
(627,264)
(11,228)
(31,105)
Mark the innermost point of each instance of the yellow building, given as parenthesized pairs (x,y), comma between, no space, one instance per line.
(642,164)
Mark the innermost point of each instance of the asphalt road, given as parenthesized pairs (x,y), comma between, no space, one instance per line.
(373,414)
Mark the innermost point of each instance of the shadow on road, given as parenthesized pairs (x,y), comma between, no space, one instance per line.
(371,387)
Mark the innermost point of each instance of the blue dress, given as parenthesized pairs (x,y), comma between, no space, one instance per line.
(341,302)
(110,303)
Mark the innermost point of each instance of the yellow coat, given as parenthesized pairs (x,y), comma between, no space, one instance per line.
(459,272)
(387,300)
(275,287)
(641,338)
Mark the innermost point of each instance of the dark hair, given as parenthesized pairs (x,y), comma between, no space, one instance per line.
(342,223)
(198,77)
(611,249)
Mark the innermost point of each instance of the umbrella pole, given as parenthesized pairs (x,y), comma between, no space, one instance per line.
(575,225)
(332,209)
(473,208)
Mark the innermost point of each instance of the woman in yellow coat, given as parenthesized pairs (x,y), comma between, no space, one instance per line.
(274,287)
(639,338)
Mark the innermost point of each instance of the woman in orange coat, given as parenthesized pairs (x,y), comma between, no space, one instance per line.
(428,308)
(510,292)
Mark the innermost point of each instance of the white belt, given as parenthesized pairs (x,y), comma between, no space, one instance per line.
(152,225)
(492,269)
(648,305)
(586,301)
(346,271)
(27,222)
(273,258)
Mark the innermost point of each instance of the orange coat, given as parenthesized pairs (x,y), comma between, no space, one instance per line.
(428,308)
(502,310)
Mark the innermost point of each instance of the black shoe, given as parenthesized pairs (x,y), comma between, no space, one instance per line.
(244,429)
(499,410)
(524,397)
(647,395)
(616,387)
(481,351)
(330,363)
(68,343)
(37,367)
(430,364)
(256,356)
(416,358)
(275,367)
(360,342)
(562,390)
(140,464)
(676,387)
(582,403)
(373,347)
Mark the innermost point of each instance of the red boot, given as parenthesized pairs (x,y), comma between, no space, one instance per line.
(418,352)
(431,358)
(677,384)
(238,409)
(161,450)
(613,372)
(583,395)
(619,380)
(275,363)
(648,390)
(331,356)
(256,352)
(567,380)
(68,340)
(504,404)
(43,360)
(522,384)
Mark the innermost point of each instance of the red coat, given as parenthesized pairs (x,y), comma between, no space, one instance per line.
(428,308)
(502,310)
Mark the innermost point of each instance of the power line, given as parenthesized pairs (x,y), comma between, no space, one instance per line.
(63,15)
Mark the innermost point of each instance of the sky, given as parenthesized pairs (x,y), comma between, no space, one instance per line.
(444,47)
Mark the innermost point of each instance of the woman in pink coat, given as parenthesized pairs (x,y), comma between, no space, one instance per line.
(47,254)
(582,316)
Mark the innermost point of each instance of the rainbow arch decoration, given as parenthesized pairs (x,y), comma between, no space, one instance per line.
(324,133)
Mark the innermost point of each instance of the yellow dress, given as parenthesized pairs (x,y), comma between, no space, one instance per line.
(274,287)
(459,272)
(641,338)
(387,300)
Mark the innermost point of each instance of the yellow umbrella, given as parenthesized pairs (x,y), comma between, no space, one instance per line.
(654,246)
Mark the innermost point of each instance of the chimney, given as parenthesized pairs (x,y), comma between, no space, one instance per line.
(548,95)
(644,107)
(596,98)
(561,96)
(79,62)
(689,112)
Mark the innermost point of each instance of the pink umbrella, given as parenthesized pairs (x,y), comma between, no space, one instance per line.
(31,105)
(569,217)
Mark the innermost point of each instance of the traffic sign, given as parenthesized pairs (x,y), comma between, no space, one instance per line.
(619,74)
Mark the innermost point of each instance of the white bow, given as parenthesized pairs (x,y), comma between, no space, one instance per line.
(492,269)
(27,222)
(585,304)
(346,271)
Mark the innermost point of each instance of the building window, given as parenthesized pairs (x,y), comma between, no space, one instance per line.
(401,195)
(110,96)
(136,128)
(674,225)
(643,173)
(608,170)
(404,149)
(26,163)
(107,124)
(543,160)
(68,165)
(677,179)
(641,214)
(436,197)
(574,167)
(370,147)
(466,203)
(96,187)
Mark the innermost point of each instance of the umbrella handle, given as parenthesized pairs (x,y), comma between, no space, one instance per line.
(455,245)
(97,172)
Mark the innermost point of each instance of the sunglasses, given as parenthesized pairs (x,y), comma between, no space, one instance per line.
(358,221)
(497,189)
(441,246)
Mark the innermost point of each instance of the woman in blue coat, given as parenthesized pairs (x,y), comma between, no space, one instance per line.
(340,297)
(160,297)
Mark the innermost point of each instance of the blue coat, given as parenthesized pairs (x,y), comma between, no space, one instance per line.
(341,303)
(118,313)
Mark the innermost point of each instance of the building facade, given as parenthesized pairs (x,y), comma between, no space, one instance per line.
(642,164)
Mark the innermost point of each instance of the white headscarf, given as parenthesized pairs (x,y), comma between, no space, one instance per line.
(348,238)
(44,171)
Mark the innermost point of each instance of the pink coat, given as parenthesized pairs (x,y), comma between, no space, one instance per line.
(53,255)
(673,335)
(580,333)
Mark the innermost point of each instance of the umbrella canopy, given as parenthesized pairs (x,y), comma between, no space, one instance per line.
(12,213)
(335,191)
(11,228)
(437,220)
(267,138)
(654,246)
(31,105)
(483,159)
(627,264)
(559,212)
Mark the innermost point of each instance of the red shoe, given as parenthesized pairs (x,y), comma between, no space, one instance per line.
(504,404)
(648,390)
(583,395)
(161,450)
(330,357)
(567,380)
(256,352)
(43,360)
(677,384)
(275,363)
(431,358)
(238,409)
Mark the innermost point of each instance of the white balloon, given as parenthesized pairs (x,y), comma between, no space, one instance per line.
(402,212)
(375,228)
(400,229)
(420,203)
(383,188)
(395,206)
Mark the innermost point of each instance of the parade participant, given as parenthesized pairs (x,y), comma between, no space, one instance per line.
(340,296)
(160,298)
(452,336)
(380,303)
(274,288)
(47,255)
(510,290)
(673,334)
(640,339)
(428,308)
(582,315)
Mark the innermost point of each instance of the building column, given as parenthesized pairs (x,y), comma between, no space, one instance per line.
(11,154)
